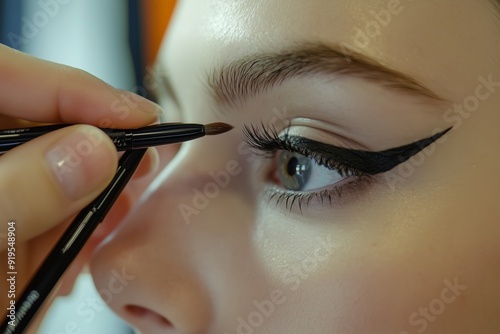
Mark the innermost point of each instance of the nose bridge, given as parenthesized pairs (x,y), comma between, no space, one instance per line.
(197,177)
(176,231)
(199,197)
(191,204)
(207,187)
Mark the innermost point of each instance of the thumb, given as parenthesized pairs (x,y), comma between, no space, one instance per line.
(50,178)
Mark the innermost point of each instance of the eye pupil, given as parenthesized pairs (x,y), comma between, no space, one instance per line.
(292,166)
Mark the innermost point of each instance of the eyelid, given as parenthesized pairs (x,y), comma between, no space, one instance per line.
(366,162)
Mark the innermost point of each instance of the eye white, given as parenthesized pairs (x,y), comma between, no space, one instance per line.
(321,177)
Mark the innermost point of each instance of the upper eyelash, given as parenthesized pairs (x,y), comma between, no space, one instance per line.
(263,139)
(268,141)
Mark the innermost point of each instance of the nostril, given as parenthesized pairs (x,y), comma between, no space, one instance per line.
(143,313)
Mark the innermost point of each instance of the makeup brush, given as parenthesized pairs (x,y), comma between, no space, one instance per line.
(124,139)
(217,128)
(135,142)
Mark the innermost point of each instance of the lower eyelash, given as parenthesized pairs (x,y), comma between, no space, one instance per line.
(330,195)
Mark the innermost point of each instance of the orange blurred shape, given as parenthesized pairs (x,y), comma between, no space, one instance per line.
(157,14)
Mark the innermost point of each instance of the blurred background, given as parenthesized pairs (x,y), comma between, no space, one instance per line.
(115,40)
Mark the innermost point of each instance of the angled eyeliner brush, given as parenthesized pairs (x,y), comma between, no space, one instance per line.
(124,139)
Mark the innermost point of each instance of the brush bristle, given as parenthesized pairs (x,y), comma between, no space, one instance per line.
(217,128)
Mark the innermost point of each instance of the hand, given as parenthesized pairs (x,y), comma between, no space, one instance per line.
(49,179)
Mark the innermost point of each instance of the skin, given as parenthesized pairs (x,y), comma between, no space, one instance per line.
(380,259)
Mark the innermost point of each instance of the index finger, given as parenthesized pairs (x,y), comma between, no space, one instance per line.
(41,91)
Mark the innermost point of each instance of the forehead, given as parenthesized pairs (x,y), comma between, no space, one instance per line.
(438,42)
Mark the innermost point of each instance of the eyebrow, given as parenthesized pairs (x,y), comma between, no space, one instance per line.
(254,74)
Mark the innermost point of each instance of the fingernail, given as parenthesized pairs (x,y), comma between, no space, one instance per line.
(80,164)
(140,103)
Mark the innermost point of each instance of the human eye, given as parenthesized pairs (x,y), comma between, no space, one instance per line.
(298,172)
(304,169)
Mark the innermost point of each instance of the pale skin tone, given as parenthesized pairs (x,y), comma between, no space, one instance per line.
(420,256)
(393,252)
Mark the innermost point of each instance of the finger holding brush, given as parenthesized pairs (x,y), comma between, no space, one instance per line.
(32,192)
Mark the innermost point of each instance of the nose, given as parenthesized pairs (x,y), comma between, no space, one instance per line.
(159,271)
(156,289)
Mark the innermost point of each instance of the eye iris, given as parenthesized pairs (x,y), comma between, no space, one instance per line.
(294,170)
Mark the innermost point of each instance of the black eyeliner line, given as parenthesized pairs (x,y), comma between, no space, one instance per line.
(366,162)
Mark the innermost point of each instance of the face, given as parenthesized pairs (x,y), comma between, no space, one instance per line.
(278,226)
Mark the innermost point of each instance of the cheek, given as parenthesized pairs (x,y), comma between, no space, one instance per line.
(409,268)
